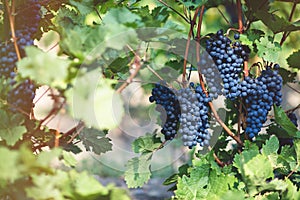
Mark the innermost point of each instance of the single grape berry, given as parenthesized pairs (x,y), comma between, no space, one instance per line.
(236,36)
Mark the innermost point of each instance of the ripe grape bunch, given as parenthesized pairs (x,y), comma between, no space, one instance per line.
(194,116)
(27,21)
(186,112)
(259,96)
(168,102)
(229,57)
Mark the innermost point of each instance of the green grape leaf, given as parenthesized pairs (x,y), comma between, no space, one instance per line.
(275,23)
(86,186)
(138,170)
(69,159)
(297,149)
(257,175)
(10,129)
(9,170)
(44,67)
(271,146)
(84,6)
(193,187)
(12,134)
(267,50)
(291,191)
(282,119)
(244,157)
(95,140)
(52,191)
(293,60)
(147,143)
(92,100)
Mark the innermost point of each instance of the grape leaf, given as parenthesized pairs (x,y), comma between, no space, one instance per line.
(271,146)
(97,104)
(275,23)
(193,4)
(293,60)
(9,170)
(69,159)
(86,186)
(138,170)
(193,187)
(10,128)
(94,140)
(147,143)
(282,119)
(44,67)
(287,75)
(84,6)
(268,50)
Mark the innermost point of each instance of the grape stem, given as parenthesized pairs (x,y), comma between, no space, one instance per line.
(285,34)
(11,17)
(240,19)
(187,46)
(217,117)
(136,66)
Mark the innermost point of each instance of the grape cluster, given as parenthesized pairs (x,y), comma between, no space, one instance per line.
(194,116)
(21,96)
(185,111)
(259,96)
(169,109)
(229,57)
(212,75)
(27,22)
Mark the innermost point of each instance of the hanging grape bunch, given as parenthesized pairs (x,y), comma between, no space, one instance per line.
(228,57)
(185,111)
(27,21)
(259,96)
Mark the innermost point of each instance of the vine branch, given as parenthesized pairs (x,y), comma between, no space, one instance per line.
(136,66)
(187,46)
(11,18)
(285,34)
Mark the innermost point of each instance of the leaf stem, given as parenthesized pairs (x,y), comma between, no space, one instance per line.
(286,33)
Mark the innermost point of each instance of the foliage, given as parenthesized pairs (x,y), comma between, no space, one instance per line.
(98,49)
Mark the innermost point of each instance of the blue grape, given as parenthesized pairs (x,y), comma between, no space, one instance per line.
(259,96)
(170,109)
(21,97)
(185,111)
(229,58)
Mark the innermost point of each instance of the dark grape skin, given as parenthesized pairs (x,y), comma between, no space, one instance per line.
(21,97)
(229,58)
(165,97)
(260,94)
(194,116)
(185,111)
